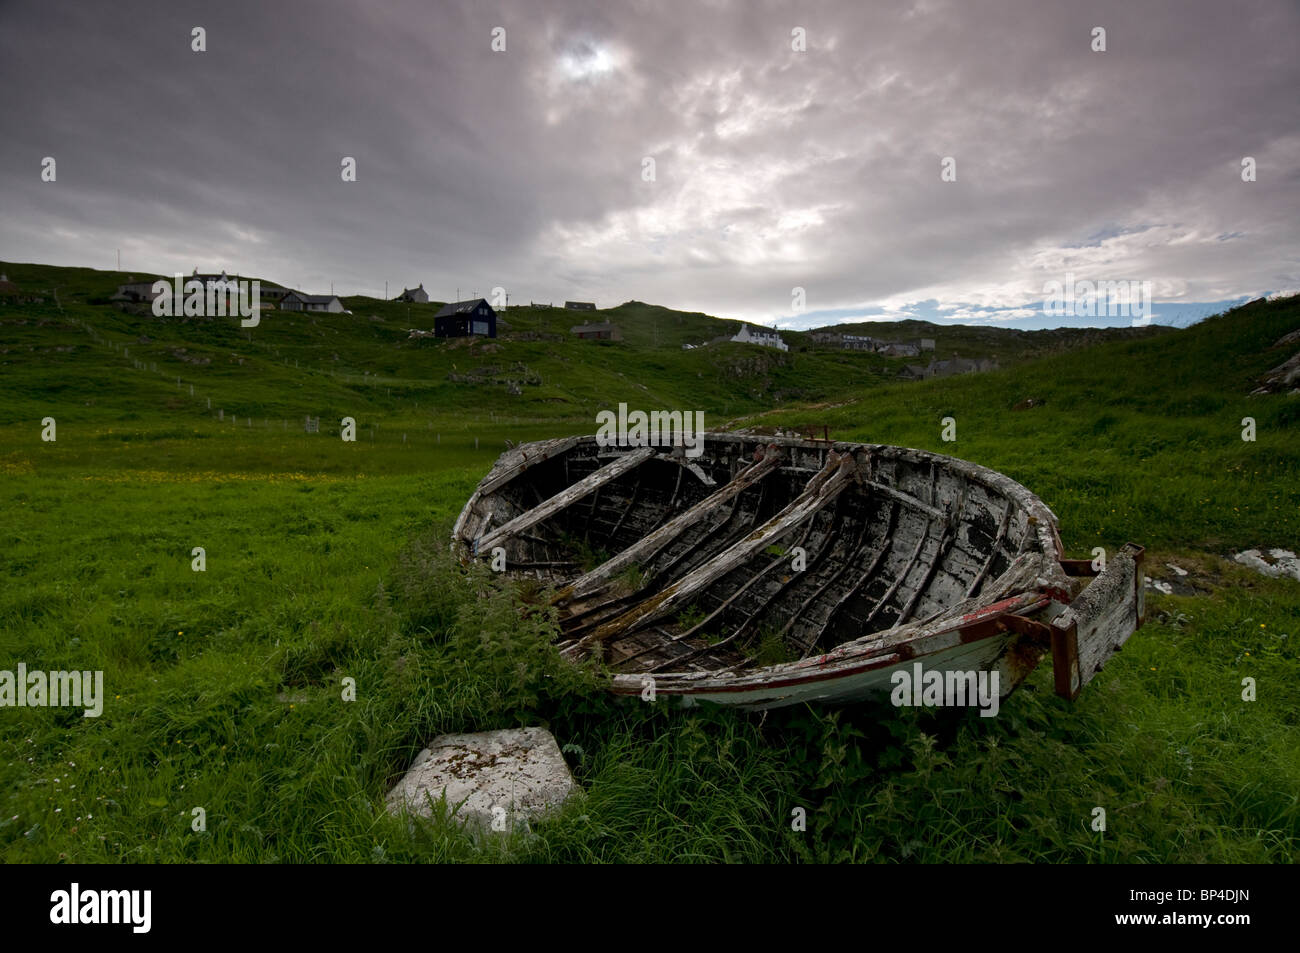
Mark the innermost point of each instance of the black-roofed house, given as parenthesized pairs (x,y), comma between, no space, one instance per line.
(297,301)
(460,319)
(415,295)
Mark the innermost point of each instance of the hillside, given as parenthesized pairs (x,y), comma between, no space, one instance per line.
(1007,345)
(327,560)
(293,364)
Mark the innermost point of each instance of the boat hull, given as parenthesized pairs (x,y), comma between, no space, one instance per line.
(764,572)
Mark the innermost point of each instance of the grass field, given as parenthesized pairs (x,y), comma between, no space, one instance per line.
(327,560)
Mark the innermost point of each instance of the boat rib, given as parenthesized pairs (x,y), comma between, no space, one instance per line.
(822,489)
(565,498)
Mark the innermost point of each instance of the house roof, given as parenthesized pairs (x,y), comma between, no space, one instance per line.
(461,307)
(313,299)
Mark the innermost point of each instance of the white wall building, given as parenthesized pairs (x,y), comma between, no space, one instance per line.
(748,334)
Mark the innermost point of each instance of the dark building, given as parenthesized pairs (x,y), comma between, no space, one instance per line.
(605,331)
(459,319)
(580,305)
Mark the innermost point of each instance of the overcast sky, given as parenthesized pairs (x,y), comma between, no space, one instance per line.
(774,168)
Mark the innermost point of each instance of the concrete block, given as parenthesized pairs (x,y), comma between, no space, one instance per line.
(494,780)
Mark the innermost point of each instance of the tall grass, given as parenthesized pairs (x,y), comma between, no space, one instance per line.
(328,561)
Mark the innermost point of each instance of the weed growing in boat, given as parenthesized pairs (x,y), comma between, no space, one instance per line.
(530,591)
(631,579)
(772,648)
(587,556)
(690,617)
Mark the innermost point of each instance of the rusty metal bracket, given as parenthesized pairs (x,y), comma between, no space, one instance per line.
(1139,579)
(1065,660)
(1036,631)
(1078,567)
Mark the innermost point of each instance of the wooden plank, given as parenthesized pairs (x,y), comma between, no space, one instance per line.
(565,498)
(1003,524)
(898,580)
(822,489)
(662,575)
(631,504)
(940,553)
(646,547)
(886,544)
(906,499)
(845,562)
(740,591)
(523,458)
(1098,623)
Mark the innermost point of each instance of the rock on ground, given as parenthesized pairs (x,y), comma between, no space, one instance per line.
(1278,562)
(504,778)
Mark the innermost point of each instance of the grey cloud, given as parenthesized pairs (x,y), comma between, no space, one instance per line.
(774,168)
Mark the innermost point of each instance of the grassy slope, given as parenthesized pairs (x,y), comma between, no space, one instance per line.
(326,560)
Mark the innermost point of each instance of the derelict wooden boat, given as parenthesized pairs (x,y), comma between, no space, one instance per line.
(768,571)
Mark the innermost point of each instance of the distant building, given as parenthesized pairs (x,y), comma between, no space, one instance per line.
(912,372)
(297,301)
(135,291)
(415,295)
(15,295)
(272,294)
(960,365)
(605,331)
(899,350)
(460,319)
(858,342)
(927,344)
(826,337)
(142,291)
(580,305)
(748,334)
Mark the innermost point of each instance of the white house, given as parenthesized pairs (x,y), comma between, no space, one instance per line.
(749,334)
(415,295)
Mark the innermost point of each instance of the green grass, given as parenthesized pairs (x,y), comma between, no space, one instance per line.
(328,561)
